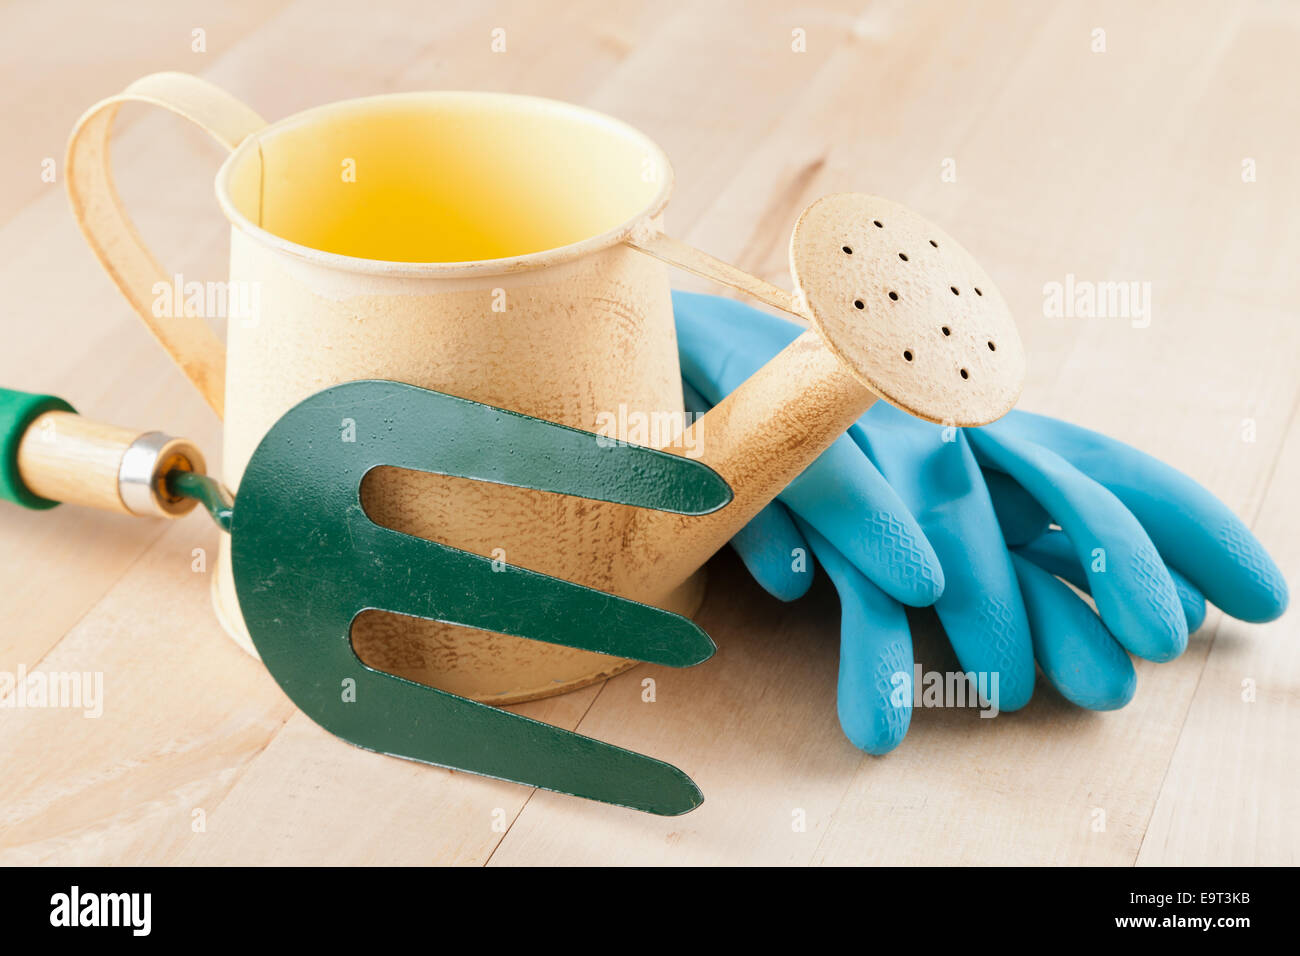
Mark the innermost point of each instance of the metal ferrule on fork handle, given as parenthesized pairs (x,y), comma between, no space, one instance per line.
(51,455)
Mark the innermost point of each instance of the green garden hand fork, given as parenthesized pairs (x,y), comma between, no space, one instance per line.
(307,560)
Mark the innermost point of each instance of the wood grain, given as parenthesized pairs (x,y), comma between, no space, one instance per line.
(1118,165)
(65,457)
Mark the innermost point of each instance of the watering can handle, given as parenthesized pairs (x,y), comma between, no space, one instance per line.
(50,454)
(677,253)
(188,340)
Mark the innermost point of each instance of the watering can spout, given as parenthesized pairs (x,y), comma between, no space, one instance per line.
(759,439)
(897,309)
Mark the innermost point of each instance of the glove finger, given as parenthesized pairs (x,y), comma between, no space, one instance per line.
(842,494)
(776,555)
(848,501)
(980,607)
(1054,554)
(1127,578)
(1021,517)
(874,696)
(1077,654)
(773,551)
(1199,535)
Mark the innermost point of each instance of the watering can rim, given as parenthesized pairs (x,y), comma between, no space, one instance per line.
(541,259)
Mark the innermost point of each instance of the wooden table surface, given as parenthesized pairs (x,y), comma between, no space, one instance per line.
(1131,163)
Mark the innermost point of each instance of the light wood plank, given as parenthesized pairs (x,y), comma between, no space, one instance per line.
(1230,794)
(1122,165)
(1030,785)
(57,60)
(183,710)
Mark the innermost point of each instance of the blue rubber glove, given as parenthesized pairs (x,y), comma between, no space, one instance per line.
(1196,533)
(1000,609)
(883,540)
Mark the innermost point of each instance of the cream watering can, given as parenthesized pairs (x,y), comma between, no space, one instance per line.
(509,250)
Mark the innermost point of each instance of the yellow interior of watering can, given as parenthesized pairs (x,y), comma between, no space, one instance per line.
(445,177)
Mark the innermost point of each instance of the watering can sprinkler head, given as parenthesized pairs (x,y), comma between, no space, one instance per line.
(907,310)
(898,310)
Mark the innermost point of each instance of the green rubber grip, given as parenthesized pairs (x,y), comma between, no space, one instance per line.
(17,412)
